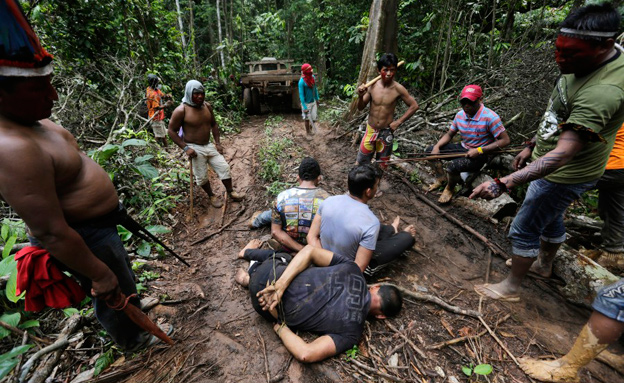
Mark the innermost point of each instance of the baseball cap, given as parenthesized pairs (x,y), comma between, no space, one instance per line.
(471,92)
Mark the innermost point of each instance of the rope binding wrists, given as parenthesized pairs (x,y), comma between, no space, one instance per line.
(501,185)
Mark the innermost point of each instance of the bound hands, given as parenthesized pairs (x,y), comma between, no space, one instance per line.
(270,297)
(520,161)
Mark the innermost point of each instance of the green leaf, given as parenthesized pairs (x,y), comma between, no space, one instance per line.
(106,152)
(147,170)
(483,369)
(124,233)
(70,311)
(8,246)
(102,363)
(158,229)
(467,370)
(7,266)
(11,319)
(144,250)
(29,324)
(133,142)
(4,232)
(142,159)
(8,360)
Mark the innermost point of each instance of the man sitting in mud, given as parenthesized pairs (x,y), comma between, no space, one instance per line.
(63,196)
(345,225)
(294,209)
(481,132)
(571,147)
(331,300)
(197,119)
(383,97)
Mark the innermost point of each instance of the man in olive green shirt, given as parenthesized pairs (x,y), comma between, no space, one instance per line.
(571,147)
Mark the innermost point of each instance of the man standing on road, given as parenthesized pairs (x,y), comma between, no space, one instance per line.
(197,119)
(63,196)
(331,300)
(383,96)
(309,96)
(155,106)
(571,147)
(481,131)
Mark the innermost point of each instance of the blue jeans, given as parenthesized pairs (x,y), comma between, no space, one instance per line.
(262,220)
(610,301)
(105,244)
(541,215)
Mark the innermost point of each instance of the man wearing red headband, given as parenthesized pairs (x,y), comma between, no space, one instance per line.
(383,96)
(571,147)
(308,93)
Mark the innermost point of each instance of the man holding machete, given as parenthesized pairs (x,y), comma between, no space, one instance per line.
(63,196)
(383,96)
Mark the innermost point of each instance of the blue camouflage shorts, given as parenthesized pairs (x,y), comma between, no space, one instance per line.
(610,301)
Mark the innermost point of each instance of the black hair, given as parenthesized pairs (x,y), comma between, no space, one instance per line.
(391,300)
(388,59)
(594,17)
(152,80)
(362,177)
(309,170)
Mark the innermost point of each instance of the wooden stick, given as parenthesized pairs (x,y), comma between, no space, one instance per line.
(409,341)
(266,360)
(446,156)
(207,237)
(373,81)
(378,373)
(191,166)
(436,300)
(492,246)
(21,332)
(500,343)
(224,208)
(438,346)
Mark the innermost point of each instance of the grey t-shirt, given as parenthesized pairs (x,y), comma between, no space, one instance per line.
(347,224)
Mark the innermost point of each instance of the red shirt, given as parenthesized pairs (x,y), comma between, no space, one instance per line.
(154,96)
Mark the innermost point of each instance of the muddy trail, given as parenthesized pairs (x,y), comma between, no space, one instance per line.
(219,337)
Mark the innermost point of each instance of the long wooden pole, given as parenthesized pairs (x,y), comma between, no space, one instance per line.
(191,166)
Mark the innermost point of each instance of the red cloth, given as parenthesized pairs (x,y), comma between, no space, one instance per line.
(45,284)
(306,73)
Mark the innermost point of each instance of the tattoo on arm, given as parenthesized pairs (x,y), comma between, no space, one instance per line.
(539,168)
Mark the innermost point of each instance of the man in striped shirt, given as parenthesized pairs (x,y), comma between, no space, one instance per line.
(481,132)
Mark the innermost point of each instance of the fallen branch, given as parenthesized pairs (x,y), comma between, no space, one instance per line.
(436,300)
(492,246)
(440,345)
(500,343)
(266,360)
(224,209)
(241,211)
(409,341)
(22,332)
(378,373)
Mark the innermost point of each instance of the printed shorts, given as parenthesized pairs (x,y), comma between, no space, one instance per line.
(610,301)
(377,143)
(313,110)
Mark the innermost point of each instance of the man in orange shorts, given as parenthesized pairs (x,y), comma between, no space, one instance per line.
(383,96)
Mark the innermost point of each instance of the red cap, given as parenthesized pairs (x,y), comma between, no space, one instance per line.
(306,68)
(471,92)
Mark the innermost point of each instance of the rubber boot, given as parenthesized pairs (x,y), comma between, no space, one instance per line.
(565,369)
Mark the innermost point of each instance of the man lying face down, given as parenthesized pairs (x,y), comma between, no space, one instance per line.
(331,300)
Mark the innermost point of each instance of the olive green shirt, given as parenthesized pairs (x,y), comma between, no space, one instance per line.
(593,105)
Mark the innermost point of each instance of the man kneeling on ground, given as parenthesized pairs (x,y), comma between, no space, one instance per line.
(345,225)
(331,299)
(294,209)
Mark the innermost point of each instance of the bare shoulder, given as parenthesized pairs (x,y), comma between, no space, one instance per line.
(179,110)
(400,88)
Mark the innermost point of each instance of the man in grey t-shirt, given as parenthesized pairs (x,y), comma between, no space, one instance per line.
(345,225)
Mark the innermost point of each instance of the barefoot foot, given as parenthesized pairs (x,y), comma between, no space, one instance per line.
(536,268)
(395,224)
(500,292)
(411,229)
(242,277)
(253,244)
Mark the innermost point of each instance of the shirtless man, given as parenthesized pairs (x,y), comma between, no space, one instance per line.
(197,118)
(56,189)
(377,140)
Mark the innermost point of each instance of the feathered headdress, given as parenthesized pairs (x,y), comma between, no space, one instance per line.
(21,53)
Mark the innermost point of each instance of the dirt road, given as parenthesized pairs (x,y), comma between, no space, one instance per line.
(221,339)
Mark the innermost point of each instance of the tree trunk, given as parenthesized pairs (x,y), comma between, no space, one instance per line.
(220,34)
(491,50)
(509,21)
(192,38)
(447,47)
(381,35)
(181,27)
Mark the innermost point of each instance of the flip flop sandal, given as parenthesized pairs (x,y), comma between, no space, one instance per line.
(499,297)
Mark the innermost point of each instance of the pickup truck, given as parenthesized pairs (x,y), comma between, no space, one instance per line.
(271,81)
